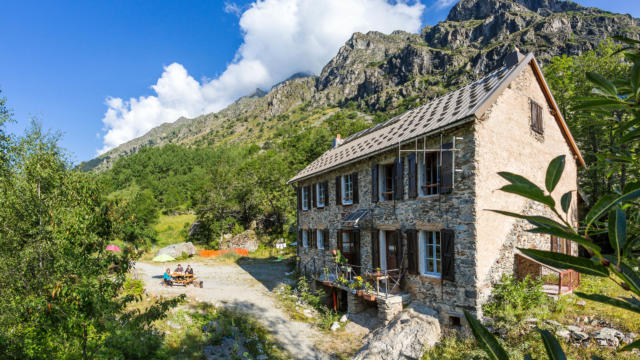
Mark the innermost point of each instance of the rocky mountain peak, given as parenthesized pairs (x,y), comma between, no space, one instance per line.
(482,9)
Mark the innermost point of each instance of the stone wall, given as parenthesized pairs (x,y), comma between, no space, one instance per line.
(454,211)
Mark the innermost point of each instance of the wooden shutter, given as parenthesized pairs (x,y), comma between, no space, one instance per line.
(398,179)
(375,249)
(413,176)
(299,239)
(446,169)
(447,254)
(554,243)
(356,246)
(400,249)
(338,191)
(374,183)
(567,246)
(536,117)
(339,241)
(354,184)
(326,193)
(313,238)
(412,251)
(313,195)
(325,239)
(299,192)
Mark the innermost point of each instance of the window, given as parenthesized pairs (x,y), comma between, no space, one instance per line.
(320,195)
(347,242)
(305,198)
(428,174)
(430,258)
(305,238)
(386,182)
(347,189)
(536,117)
(320,238)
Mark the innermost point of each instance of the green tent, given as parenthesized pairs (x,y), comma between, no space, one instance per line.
(163,258)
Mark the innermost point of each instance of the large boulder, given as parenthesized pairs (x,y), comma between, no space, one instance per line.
(245,240)
(176,250)
(406,336)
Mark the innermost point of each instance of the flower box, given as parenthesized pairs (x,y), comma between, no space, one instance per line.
(369,297)
(327,283)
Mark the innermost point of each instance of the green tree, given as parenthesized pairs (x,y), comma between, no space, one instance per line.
(61,290)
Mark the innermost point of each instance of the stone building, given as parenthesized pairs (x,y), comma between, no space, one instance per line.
(410,196)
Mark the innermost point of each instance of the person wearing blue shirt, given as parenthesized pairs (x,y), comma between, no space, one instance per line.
(167,278)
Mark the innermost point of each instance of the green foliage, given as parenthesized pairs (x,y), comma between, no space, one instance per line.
(513,299)
(133,287)
(302,292)
(61,290)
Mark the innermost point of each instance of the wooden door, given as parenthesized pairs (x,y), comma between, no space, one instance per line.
(391,244)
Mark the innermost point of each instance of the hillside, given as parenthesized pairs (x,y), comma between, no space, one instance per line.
(381,75)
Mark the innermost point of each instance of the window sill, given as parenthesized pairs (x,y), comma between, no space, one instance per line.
(429,277)
(428,197)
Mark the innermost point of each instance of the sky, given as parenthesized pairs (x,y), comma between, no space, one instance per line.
(102,73)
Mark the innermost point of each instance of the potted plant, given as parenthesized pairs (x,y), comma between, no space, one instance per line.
(369,295)
(325,279)
(356,285)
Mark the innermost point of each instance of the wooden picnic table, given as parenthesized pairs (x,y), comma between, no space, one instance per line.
(182,279)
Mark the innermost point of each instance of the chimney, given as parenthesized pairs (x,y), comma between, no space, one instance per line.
(337,141)
(513,58)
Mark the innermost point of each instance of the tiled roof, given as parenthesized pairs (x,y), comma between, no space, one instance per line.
(436,114)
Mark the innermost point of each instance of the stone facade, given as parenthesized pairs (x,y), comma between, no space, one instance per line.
(485,242)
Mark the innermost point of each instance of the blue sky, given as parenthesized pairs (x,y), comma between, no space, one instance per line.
(60,61)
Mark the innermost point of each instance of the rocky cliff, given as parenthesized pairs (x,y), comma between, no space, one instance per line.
(379,72)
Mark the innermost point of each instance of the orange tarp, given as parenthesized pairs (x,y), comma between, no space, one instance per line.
(208,253)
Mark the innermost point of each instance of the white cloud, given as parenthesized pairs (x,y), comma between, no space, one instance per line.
(281,37)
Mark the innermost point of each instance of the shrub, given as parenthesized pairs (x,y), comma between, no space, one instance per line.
(133,287)
(513,299)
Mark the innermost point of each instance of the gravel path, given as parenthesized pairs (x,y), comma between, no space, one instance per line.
(245,288)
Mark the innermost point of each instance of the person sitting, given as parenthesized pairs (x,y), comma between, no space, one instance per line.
(179,269)
(167,277)
(189,270)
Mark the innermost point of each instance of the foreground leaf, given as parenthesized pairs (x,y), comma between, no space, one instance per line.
(563,261)
(603,83)
(617,229)
(554,350)
(610,301)
(523,187)
(631,346)
(565,201)
(488,342)
(554,173)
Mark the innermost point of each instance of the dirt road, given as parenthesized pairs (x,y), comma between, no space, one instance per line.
(246,288)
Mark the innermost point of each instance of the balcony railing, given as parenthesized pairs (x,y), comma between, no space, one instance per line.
(560,280)
(344,276)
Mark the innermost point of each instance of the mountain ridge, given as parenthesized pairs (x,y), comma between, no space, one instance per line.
(382,73)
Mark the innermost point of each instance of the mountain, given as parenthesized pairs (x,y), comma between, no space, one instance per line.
(379,73)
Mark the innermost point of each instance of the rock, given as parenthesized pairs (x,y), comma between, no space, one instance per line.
(608,337)
(581,303)
(176,250)
(531,320)
(344,318)
(407,335)
(579,336)
(194,229)
(335,326)
(564,334)
(245,240)
(173,325)
(553,323)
